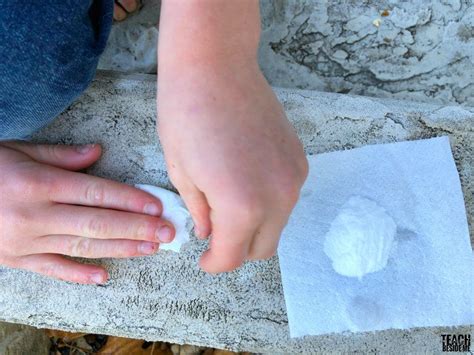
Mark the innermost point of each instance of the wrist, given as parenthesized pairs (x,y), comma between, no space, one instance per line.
(208,69)
(207,33)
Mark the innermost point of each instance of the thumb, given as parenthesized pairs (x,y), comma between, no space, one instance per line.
(62,156)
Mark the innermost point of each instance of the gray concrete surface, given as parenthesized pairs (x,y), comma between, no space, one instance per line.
(16,339)
(166,297)
(417,50)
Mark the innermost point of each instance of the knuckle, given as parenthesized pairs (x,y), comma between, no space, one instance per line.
(19,221)
(22,182)
(12,233)
(53,151)
(80,247)
(128,250)
(34,181)
(248,210)
(145,230)
(95,227)
(95,193)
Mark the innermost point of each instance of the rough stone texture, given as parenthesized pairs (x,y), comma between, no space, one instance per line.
(413,49)
(132,43)
(166,296)
(18,339)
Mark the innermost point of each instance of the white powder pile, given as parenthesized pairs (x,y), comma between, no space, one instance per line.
(360,238)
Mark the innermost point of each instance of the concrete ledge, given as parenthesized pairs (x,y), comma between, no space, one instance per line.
(166,297)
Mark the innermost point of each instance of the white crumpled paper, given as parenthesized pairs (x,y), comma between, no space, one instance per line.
(174,210)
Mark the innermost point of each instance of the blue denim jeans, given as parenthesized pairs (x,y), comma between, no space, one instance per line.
(48,56)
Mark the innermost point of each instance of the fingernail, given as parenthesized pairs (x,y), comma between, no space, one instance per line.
(151,209)
(147,248)
(97,278)
(84,149)
(164,234)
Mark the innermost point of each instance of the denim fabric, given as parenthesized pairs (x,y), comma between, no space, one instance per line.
(48,56)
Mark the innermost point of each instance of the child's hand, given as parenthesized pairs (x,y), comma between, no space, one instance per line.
(47,211)
(233,156)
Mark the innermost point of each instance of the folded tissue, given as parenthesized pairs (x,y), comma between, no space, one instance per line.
(174,211)
(378,240)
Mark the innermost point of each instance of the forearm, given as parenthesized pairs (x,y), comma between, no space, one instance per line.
(208,33)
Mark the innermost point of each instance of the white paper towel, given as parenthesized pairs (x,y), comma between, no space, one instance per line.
(174,210)
(428,279)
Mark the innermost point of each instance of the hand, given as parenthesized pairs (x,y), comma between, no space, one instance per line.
(47,211)
(233,156)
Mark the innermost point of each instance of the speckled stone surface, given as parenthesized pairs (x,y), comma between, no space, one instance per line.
(417,50)
(166,296)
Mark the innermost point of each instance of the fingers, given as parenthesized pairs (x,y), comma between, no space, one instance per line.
(232,234)
(119,13)
(62,156)
(246,232)
(223,255)
(59,267)
(265,242)
(81,189)
(197,205)
(124,7)
(99,223)
(129,5)
(92,248)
